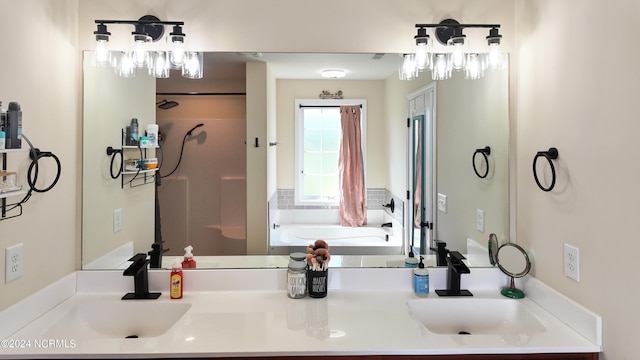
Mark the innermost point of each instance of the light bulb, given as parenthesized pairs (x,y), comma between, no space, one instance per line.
(193,65)
(177,37)
(441,69)
(458,57)
(101,55)
(140,56)
(423,50)
(177,55)
(123,65)
(494,58)
(474,68)
(159,65)
(408,69)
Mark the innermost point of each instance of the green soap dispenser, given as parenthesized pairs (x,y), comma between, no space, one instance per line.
(421,280)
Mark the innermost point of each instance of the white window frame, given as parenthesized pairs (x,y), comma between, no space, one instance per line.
(299,139)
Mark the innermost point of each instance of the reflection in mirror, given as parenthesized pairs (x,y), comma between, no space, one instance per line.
(492,248)
(513,260)
(450,120)
(110,102)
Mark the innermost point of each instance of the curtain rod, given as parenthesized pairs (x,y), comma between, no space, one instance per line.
(323,106)
(202,93)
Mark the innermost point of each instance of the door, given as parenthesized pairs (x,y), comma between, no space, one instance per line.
(421,124)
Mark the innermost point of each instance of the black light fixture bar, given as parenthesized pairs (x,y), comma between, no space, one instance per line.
(138,22)
(457,26)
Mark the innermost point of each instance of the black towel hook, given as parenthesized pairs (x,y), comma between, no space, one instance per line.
(551,154)
(484,152)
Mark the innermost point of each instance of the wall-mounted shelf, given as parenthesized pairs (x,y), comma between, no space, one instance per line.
(9,210)
(135,177)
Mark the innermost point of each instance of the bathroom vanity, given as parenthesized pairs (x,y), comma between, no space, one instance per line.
(246,313)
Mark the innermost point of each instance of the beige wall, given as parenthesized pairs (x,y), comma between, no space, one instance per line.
(371,90)
(40,69)
(577,90)
(108,106)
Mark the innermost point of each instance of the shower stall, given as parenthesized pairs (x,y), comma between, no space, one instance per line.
(202,178)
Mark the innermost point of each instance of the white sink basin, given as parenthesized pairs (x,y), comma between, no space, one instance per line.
(119,319)
(474,316)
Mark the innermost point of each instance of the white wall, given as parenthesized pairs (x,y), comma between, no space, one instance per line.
(577,90)
(40,69)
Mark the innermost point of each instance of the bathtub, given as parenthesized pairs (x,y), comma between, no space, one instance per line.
(371,239)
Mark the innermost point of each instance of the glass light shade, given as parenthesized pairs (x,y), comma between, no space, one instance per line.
(177,53)
(193,67)
(101,55)
(159,66)
(474,67)
(423,57)
(495,57)
(140,54)
(441,69)
(408,69)
(458,47)
(123,65)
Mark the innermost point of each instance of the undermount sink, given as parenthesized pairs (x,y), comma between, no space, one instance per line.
(119,319)
(474,316)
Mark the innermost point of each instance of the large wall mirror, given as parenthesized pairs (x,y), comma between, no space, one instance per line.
(202,185)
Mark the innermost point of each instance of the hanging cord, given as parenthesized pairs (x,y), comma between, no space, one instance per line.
(35,155)
(181,150)
(138,166)
(484,152)
(552,154)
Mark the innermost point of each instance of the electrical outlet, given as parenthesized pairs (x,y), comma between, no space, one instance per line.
(13,262)
(442,203)
(117,220)
(480,220)
(571,262)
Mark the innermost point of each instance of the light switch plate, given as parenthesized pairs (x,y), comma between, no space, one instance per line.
(442,203)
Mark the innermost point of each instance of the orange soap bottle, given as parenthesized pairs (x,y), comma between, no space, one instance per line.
(188,262)
(175,288)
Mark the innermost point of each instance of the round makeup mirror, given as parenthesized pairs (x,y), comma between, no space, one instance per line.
(514,262)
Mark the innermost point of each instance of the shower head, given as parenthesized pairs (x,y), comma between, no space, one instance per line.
(164,104)
(193,128)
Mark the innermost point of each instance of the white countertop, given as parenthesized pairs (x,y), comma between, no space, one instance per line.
(351,320)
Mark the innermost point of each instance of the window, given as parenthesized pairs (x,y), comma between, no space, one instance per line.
(318,136)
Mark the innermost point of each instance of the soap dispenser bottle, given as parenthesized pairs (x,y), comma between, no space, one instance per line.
(421,280)
(175,287)
(188,262)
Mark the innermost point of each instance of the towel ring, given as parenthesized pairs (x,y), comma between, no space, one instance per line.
(484,152)
(552,154)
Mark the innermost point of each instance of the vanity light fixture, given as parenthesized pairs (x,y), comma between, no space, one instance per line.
(333,74)
(147,29)
(449,32)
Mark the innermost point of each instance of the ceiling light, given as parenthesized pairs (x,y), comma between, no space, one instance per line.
(333,73)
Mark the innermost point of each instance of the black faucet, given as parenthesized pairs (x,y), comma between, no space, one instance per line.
(441,252)
(138,269)
(456,267)
(156,254)
(387,225)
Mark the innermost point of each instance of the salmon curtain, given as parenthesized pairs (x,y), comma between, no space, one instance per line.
(351,170)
